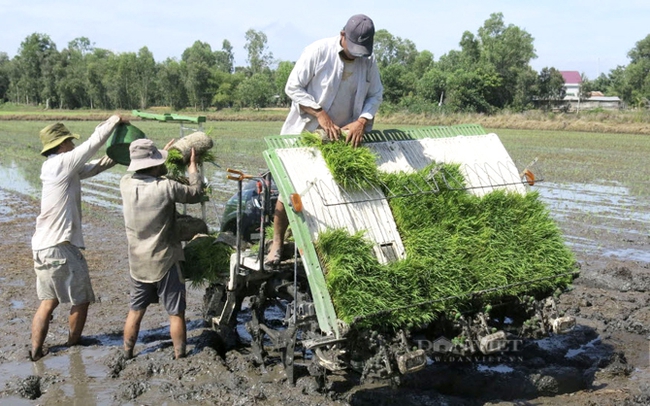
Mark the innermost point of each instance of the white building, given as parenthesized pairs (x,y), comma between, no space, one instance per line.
(572,84)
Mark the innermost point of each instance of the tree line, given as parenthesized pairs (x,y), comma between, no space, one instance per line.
(490,72)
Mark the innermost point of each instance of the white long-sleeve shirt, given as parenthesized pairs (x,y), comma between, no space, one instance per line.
(315,79)
(61,174)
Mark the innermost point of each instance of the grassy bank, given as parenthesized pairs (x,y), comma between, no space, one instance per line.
(596,121)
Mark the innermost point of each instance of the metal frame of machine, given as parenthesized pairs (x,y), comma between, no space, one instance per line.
(299,284)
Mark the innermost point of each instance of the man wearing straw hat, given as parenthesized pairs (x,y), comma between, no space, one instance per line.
(61,269)
(149,206)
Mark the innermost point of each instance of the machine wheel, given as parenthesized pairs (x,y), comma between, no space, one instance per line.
(214,301)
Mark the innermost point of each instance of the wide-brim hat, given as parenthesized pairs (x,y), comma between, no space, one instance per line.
(54,135)
(359,35)
(144,154)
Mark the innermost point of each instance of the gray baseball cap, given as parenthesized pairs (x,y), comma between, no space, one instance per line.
(359,35)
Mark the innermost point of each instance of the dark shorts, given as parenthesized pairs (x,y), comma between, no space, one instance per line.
(171,289)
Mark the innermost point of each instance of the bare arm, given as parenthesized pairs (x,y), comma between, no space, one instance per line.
(333,131)
(355,131)
(192,167)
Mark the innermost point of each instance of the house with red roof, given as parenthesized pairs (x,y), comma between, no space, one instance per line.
(572,82)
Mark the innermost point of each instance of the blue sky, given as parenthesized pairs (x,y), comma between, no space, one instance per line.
(590,36)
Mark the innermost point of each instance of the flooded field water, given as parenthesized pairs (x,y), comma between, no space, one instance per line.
(602,221)
(103,190)
(586,211)
(583,211)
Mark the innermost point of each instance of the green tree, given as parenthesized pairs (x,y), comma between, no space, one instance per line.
(509,49)
(281,76)
(524,93)
(121,81)
(638,73)
(470,47)
(641,51)
(620,84)
(70,73)
(5,78)
(255,91)
(431,86)
(422,63)
(400,66)
(34,65)
(602,84)
(392,78)
(226,87)
(97,77)
(453,60)
(199,62)
(144,75)
(225,58)
(82,45)
(259,57)
(473,90)
(550,86)
(171,85)
(389,50)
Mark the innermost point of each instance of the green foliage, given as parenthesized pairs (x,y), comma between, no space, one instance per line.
(33,77)
(456,244)
(5,80)
(281,78)
(391,50)
(352,168)
(432,85)
(226,88)
(474,90)
(255,91)
(550,86)
(391,78)
(225,59)
(170,84)
(491,71)
(176,165)
(199,63)
(602,84)
(259,57)
(206,261)
(145,75)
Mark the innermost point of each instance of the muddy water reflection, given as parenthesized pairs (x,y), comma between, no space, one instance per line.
(78,371)
(103,190)
(588,213)
(82,375)
(17,304)
(585,212)
(11,178)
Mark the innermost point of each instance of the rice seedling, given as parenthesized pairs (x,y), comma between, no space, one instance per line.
(352,168)
(206,261)
(457,244)
(177,166)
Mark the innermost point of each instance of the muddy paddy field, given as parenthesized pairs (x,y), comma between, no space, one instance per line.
(596,187)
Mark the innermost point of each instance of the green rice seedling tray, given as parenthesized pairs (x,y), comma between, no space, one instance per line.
(460,170)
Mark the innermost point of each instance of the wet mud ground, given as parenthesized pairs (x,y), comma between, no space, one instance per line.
(603,361)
